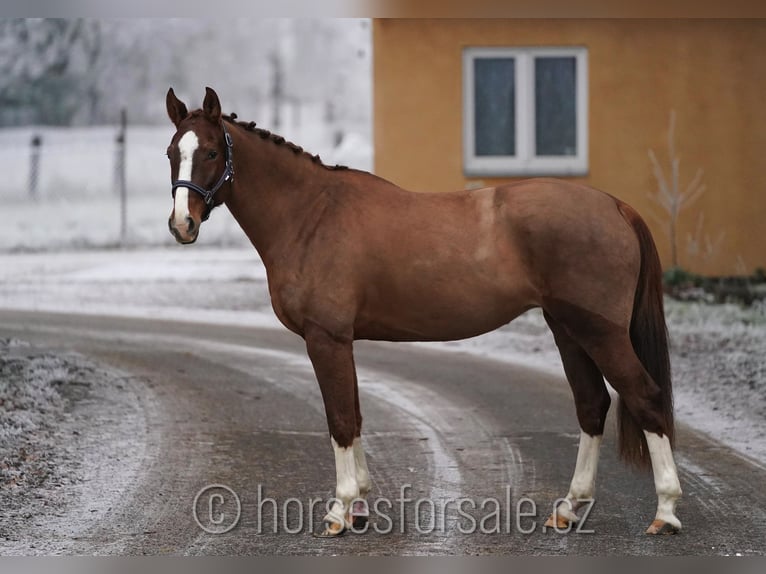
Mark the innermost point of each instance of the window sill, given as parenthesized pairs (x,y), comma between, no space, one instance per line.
(530,170)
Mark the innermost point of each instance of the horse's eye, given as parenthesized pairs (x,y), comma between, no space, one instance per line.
(212,154)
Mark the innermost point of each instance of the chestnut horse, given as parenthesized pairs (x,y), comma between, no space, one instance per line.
(350,256)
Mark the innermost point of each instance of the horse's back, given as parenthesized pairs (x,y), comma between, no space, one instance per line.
(518,245)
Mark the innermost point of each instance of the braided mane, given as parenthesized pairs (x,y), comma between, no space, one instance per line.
(279,140)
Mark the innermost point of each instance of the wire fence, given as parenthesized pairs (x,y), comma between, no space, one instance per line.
(104,186)
(51,163)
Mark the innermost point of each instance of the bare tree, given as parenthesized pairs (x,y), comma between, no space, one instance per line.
(46,68)
(669,196)
(65,71)
(701,245)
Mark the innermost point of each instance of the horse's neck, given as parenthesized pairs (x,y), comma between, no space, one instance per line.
(276,194)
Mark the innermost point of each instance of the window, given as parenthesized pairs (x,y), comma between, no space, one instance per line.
(525,111)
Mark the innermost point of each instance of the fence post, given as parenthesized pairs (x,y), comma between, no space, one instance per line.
(277,89)
(119,175)
(34,165)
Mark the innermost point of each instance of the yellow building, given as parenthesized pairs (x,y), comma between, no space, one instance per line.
(472,103)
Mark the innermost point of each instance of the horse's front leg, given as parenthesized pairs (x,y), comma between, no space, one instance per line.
(360,511)
(332,357)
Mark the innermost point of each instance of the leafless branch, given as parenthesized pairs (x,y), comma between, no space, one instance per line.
(673,201)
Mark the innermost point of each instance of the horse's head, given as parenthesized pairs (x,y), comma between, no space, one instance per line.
(200,163)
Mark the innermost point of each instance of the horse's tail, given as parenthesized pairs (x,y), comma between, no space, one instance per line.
(649,336)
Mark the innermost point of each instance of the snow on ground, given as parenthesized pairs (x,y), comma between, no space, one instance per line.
(221,285)
(57,224)
(78,205)
(716,351)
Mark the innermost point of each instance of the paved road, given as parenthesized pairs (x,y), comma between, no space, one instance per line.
(240,407)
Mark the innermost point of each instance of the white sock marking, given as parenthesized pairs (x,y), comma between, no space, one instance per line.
(666,480)
(362,472)
(187,146)
(346,487)
(583,485)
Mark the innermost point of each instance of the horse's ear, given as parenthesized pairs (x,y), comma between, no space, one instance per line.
(176,108)
(211,105)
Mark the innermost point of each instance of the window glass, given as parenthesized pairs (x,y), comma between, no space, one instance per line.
(555,106)
(495,106)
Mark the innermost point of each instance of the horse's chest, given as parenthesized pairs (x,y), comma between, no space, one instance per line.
(287,302)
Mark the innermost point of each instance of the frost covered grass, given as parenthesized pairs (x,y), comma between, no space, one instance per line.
(719,367)
(72,434)
(697,315)
(28,394)
(35,392)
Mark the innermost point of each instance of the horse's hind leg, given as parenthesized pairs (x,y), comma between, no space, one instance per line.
(333,362)
(614,354)
(592,403)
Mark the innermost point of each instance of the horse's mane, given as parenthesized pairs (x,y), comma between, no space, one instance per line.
(279,140)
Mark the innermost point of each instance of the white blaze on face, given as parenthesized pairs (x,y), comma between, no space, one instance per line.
(186,146)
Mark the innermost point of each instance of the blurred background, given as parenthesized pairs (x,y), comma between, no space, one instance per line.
(83,126)
(664,114)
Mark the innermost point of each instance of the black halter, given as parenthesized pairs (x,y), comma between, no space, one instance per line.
(227,175)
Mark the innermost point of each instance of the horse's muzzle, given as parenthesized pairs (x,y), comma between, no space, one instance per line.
(184,233)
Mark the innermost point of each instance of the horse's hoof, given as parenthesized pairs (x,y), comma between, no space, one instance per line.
(329,530)
(558,522)
(662,527)
(359,522)
(359,516)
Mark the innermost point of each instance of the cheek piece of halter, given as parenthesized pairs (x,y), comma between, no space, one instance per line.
(227,175)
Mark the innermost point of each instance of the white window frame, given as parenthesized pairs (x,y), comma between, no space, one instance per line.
(525,162)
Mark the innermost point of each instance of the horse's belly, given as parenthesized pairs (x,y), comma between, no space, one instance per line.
(440,315)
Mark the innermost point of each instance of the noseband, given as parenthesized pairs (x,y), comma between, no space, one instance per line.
(227,175)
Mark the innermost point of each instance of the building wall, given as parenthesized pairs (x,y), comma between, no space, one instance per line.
(712,73)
